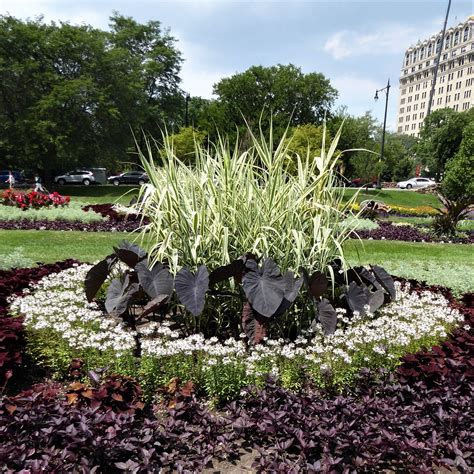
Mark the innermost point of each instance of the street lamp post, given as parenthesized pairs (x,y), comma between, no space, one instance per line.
(186,114)
(387,90)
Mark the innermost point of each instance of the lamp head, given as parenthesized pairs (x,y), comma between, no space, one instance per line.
(376,97)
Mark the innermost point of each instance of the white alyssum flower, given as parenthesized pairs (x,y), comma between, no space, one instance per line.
(58,303)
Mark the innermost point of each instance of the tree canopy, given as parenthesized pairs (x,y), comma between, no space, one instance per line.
(72,95)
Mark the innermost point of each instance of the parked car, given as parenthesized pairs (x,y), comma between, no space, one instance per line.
(415,183)
(76,177)
(131,177)
(4,174)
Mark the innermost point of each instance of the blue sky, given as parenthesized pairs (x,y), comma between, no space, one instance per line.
(358,45)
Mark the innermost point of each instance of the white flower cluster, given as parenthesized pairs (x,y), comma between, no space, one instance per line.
(58,302)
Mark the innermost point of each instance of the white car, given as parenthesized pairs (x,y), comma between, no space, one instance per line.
(76,177)
(415,183)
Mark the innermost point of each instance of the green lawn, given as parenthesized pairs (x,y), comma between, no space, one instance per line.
(444,264)
(110,193)
(99,194)
(393,197)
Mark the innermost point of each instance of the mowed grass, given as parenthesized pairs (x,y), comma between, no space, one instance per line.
(108,194)
(393,197)
(450,265)
(98,194)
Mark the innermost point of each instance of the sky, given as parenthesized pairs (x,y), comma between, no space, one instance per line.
(357,45)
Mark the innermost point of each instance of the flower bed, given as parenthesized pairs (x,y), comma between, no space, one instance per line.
(408,233)
(91,218)
(63,325)
(33,199)
(418,420)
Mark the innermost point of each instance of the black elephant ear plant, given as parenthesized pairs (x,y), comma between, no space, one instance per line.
(140,293)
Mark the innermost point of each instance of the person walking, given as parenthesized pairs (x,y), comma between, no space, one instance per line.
(38,185)
(11,180)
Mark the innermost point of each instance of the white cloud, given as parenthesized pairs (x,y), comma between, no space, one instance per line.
(388,39)
(198,74)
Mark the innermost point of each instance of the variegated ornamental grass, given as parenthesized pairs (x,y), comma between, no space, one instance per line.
(233,202)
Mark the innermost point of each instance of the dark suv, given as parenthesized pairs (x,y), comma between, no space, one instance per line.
(131,177)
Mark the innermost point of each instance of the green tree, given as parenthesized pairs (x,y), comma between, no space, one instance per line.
(279,93)
(357,133)
(184,143)
(305,140)
(399,156)
(71,95)
(440,138)
(458,182)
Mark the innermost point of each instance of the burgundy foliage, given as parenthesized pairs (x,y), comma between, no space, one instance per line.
(13,282)
(388,231)
(41,432)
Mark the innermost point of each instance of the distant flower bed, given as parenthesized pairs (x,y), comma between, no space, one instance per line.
(409,233)
(33,199)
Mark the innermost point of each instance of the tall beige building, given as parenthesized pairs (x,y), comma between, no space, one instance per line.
(455,81)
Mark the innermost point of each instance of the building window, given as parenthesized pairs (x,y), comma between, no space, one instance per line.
(423,95)
(467,94)
(417,96)
(410,89)
(422,106)
(400,119)
(456,107)
(440,90)
(407,60)
(409,99)
(417,88)
(446,44)
(402,101)
(407,118)
(400,129)
(458,85)
(430,47)
(460,73)
(422,114)
(439,101)
(409,108)
(404,91)
(456,38)
(438,44)
(466,33)
(415,116)
(456,96)
(415,107)
(407,127)
(445,56)
(465,106)
(448,98)
(461,62)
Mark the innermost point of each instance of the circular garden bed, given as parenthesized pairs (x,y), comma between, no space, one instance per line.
(383,391)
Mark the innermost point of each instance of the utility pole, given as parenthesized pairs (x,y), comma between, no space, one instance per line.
(438,58)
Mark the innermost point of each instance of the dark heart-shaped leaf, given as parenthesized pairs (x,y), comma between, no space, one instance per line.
(130,253)
(97,275)
(356,298)
(385,280)
(233,269)
(327,316)
(191,289)
(292,288)
(155,282)
(119,295)
(376,299)
(316,284)
(367,277)
(153,305)
(264,287)
(254,326)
